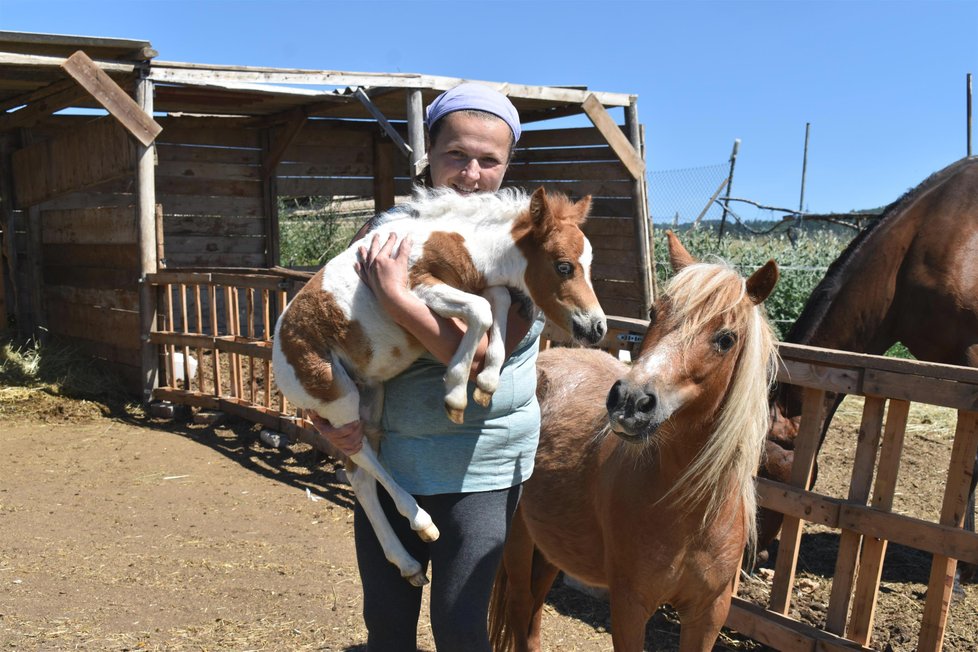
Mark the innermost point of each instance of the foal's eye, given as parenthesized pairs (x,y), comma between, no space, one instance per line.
(724,341)
(653,313)
(564,268)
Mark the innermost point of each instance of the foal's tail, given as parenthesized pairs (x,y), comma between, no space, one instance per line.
(501,636)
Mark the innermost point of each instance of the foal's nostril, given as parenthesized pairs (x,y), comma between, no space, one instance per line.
(614,396)
(646,403)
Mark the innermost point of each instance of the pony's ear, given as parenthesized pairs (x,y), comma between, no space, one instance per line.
(539,208)
(678,256)
(762,282)
(583,206)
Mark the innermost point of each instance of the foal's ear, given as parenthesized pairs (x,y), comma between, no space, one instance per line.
(539,208)
(762,282)
(678,255)
(583,208)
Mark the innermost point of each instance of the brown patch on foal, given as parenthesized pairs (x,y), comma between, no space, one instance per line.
(445,259)
(315,325)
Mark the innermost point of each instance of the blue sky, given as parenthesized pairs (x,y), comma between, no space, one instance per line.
(882,83)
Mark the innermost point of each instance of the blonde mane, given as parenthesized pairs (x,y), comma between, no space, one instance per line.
(699,293)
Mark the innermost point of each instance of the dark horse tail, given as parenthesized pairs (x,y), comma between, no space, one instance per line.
(500,630)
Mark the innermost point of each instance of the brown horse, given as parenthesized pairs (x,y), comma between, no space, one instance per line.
(911,277)
(647,489)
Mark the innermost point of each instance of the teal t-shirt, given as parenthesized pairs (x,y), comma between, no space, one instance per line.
(427,454)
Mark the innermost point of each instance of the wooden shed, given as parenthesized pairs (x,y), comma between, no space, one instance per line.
(180,166)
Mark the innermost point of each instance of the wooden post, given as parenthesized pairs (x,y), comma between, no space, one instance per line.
(644,229)
(148,264)
(269,185)
(968,92)
(415,125)
(953,511)
(13,305)
(383,174)
(37,323)
(804,169)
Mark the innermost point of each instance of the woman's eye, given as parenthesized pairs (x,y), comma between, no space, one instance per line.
(564,268)
(724,341)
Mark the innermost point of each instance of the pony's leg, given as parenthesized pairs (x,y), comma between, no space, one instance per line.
(488,379)
(699,631)
(628,618)
(365,487)
(420,520)
(522,584)
(477,315)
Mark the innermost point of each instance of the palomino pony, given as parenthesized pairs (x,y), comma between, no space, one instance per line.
(643,481)
(911,277)
(334,340)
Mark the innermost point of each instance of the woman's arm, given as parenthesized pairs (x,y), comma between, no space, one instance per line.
(386,274)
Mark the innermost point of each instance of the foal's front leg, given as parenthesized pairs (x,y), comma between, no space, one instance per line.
(477,314)
(488,379)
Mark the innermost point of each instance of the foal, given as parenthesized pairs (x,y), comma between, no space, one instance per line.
(648,489)
(334,344)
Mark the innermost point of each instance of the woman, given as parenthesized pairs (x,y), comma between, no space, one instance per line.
(467,477)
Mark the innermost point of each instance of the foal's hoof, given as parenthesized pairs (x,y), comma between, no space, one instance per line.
(455,415)
(418,579)
(481,397)
(429,533)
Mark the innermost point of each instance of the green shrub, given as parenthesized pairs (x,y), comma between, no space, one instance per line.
(803,261)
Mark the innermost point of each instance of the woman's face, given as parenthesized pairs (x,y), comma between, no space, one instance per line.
(470,153)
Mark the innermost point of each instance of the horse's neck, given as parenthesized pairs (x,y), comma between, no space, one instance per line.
(500,260)
(848,309)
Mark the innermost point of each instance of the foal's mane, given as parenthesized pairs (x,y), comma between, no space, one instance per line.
(487,208)
(828,288)
(699,293)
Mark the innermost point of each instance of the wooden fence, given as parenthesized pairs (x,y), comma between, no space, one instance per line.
(234,375)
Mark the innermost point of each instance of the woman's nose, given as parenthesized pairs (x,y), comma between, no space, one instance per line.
(471,169)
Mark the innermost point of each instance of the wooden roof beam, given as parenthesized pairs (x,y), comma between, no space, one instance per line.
(67,93)
(115,100)
(384,122)
(616,139)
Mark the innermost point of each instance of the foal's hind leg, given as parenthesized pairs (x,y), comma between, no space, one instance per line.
(365,487)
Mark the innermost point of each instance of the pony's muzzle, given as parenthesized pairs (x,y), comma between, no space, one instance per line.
(632,410)
(588,328)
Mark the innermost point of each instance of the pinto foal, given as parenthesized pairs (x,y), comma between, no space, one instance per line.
(334,345)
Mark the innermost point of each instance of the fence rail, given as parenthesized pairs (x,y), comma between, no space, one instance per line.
(227,319)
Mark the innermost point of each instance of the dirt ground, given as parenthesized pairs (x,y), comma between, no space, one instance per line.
(119,532)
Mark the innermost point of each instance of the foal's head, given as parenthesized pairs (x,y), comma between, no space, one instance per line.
(702,376)
(558,271)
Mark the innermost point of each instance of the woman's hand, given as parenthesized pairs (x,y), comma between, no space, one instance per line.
(348,438)
(386,272)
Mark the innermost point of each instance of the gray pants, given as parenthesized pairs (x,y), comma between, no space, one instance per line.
(463,563)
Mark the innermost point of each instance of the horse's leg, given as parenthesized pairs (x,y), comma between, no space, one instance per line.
(699,631)
(365,487)
(522,584)
(420,520)
(488,379)
(628,618)
(477,315)
(966,570)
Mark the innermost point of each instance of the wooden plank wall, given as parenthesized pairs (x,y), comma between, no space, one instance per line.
(208,180)
(90,281)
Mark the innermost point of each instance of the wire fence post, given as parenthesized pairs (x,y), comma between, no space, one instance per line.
(804,169)
(969,112)
(726,200)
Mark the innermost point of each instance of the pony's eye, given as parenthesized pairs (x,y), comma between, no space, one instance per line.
(653,313)
(724,341)
(564,268)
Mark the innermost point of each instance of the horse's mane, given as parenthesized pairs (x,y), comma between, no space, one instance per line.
(482,208)
(828,288)
(699,293)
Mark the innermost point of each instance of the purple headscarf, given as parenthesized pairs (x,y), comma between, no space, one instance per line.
(469,95)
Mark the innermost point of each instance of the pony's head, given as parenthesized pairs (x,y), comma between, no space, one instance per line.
(705,366)
(558,264)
